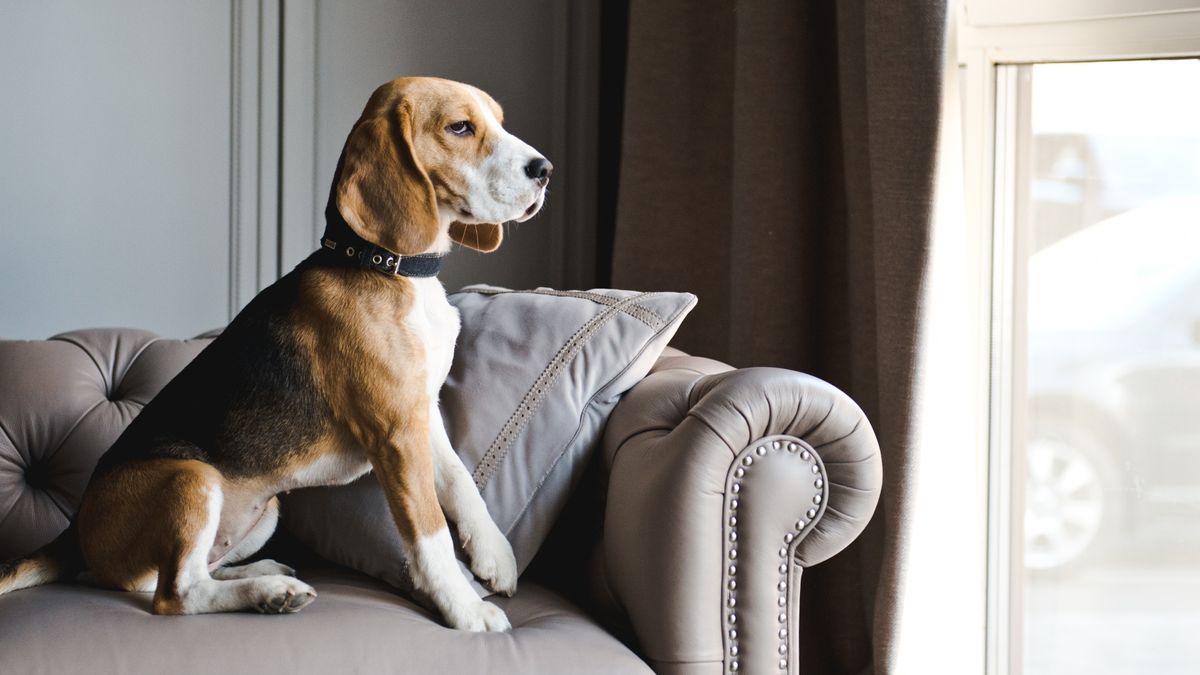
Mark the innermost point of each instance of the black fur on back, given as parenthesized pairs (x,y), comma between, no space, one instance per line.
(244,405)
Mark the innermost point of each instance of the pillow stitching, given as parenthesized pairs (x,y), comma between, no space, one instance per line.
(637,311)
(482,290)
(534,397)
(640,312)
(591,401)
(529,403)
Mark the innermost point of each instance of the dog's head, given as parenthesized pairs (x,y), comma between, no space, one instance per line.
(428,152)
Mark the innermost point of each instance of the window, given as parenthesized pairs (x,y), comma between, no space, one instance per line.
(1082,172)
(1108,192)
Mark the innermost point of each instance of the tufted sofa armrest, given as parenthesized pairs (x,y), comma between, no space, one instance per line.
(63,402)
(723,486)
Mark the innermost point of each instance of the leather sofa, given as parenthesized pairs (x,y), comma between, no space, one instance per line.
(681,552)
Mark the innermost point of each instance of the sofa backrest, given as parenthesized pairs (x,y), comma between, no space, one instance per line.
(63,402)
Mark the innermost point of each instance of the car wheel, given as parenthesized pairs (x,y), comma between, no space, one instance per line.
(1069,507)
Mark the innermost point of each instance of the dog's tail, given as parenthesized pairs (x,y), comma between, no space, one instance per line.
(59,559)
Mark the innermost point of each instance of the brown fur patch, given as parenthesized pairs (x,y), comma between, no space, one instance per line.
(370,369)
(485,237)
(381,182)
(144,517)
(399,163)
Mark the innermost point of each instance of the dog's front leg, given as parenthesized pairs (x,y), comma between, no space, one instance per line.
(491,554)
(405,467)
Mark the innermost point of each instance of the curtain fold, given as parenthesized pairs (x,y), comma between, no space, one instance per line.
(777,160)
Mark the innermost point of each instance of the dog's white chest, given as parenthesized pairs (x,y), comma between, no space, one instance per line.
(436,323)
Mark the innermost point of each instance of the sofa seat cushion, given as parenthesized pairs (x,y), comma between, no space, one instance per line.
(356,625)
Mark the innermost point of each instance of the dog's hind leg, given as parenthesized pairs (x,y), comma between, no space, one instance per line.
(258,535)
(151,525)
(185,585)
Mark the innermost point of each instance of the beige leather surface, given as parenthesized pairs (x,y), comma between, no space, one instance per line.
(674,447)
(63,402)
(356,625)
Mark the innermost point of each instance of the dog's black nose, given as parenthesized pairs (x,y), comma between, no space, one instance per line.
(539,169)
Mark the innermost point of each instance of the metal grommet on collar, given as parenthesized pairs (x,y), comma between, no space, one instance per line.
(363,254)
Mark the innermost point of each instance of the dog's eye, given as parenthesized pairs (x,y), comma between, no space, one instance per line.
(463,128)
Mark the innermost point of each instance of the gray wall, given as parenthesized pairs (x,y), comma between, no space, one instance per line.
(151,178)
(115,159)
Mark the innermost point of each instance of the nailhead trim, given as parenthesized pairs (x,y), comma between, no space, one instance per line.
(786,552)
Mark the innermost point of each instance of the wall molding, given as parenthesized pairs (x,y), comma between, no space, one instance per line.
(254,148)
(301,200)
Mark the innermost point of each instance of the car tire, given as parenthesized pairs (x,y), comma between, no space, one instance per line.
(1072,505)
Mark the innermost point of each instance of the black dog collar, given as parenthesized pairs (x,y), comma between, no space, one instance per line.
(342,247)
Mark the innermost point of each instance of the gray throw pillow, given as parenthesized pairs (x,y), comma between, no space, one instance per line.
(535,376)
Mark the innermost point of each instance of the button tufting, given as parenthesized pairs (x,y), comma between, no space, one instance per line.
(56,438)
(37,475)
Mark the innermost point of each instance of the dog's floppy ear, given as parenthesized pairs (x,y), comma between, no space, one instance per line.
(382,190)
(483,237)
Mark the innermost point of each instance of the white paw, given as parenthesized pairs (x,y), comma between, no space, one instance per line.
(478,617)
(492,560)
(282,594)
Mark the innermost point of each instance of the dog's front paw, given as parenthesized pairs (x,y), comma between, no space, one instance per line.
(478,617)
(492,561)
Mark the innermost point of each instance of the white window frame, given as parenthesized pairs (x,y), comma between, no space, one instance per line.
(993,53)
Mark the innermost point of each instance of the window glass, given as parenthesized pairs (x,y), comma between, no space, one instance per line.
(1111,526)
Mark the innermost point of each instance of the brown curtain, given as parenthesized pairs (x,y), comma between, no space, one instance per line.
(777,160)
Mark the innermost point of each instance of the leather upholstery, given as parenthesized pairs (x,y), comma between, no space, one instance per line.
(677,505)
(357,625)
(672,450)
(63,402)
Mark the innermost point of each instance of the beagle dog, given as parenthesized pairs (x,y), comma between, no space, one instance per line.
(329,373)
